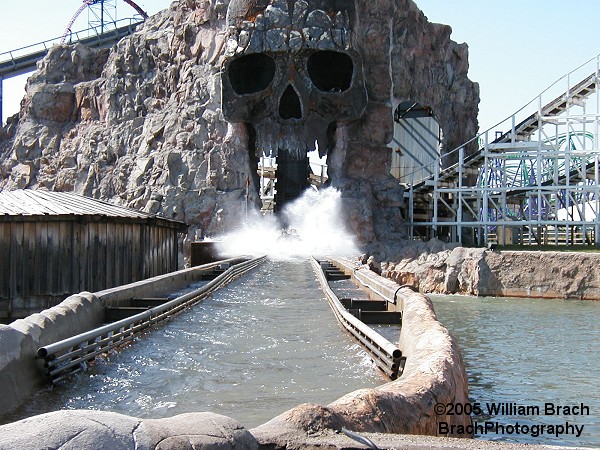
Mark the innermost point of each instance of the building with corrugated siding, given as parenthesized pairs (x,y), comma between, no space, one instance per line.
(54,244)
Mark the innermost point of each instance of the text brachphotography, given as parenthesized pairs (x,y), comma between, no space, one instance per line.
(491,427)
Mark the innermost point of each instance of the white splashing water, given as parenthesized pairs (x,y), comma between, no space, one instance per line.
(313,227)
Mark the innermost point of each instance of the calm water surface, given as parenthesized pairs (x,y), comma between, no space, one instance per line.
(530,352)
(258,347)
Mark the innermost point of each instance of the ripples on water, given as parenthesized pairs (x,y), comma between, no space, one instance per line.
(253,350)
(529,352)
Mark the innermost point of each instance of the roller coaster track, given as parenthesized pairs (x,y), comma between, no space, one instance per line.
(22,60)
(521,132)
(545,164)
(86,4)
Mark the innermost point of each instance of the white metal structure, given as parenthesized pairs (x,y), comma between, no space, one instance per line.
(537,183)
(267,169)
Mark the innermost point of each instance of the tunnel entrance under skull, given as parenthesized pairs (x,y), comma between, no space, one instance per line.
(291,179)
(282,179)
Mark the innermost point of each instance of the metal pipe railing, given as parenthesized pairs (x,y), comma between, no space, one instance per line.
(69,356)
(386,355)
(10,55)
(383,296)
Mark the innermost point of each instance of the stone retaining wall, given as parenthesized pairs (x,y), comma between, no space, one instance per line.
(435,267)
(569,275)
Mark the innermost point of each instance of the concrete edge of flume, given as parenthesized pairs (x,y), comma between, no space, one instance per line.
(86,429)
(398,414)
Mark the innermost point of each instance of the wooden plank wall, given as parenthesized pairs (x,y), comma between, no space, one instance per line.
(43,262)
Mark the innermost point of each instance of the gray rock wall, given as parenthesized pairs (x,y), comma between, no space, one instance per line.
(141,125)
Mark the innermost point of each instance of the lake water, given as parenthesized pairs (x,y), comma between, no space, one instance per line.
(530,352)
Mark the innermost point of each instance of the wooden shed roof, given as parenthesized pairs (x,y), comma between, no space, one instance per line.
(26,202)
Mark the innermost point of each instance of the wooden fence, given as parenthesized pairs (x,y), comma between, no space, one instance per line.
(43,259)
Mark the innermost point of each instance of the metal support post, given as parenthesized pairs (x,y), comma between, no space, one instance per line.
(461,161)
(436,181)
(485,205)
(1,103)
(411,206)
(538,169)
(597,201)
(596,162)
(567,200)
(513,136)
(503,202)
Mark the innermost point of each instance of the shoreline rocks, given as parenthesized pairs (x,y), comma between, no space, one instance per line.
(436,267)
(87,429)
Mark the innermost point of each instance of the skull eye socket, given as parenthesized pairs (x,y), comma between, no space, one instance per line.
(251,73)
(330,71)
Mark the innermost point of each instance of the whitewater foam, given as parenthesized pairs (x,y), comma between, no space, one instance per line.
(312,225)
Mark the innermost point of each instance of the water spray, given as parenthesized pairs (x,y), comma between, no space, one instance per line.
(312,225)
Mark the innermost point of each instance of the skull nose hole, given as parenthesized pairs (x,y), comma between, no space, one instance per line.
(289,104)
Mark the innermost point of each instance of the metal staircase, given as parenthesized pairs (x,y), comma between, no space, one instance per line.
(537,183)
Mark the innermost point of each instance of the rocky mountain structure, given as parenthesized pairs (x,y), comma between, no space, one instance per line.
(173,118)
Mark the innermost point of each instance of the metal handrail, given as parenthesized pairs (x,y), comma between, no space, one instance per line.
(131,20)
(386,355)
(408,178)
(69,356)
(372,288)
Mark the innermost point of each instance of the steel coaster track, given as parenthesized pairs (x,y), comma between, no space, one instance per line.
(386,355)
(86,4)
(16,65)
(545,163)
(525,128)
(22,60)
(69,356)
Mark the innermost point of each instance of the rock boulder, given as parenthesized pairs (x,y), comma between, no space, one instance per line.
(79,429)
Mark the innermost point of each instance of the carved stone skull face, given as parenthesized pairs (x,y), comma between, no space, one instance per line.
(290,71)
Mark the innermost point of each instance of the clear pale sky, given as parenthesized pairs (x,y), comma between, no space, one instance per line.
(516,47)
